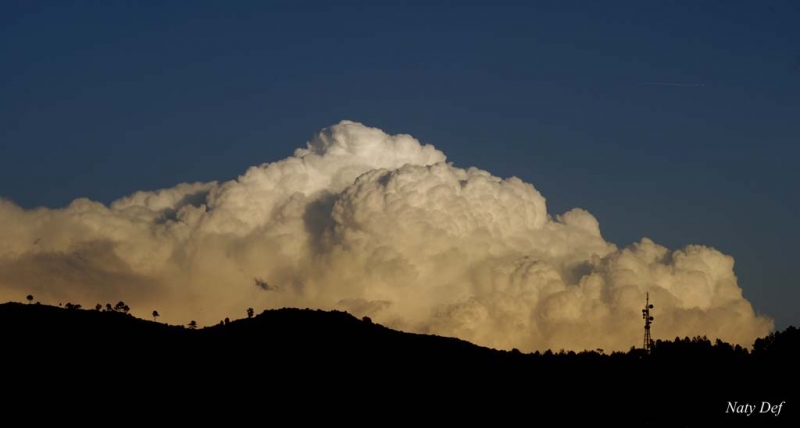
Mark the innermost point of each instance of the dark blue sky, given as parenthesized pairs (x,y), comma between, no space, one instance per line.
(679,121)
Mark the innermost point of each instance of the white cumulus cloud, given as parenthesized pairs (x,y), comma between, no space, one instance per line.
(378,225)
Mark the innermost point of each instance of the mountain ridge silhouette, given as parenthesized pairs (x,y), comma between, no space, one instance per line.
(331,359)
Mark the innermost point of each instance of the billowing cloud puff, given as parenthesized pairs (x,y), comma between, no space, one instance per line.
(378,225)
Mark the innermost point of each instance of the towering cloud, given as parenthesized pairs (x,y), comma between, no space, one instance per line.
(377,225)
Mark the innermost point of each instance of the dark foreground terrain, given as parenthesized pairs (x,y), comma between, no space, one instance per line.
(305,366)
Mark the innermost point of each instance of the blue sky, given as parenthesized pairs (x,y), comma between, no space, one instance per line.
(677,121)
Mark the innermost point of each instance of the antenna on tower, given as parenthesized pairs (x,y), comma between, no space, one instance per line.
(648,319)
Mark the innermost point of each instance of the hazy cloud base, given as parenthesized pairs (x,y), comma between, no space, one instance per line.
(377,225)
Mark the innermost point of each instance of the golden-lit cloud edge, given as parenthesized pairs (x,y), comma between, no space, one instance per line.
(381,226)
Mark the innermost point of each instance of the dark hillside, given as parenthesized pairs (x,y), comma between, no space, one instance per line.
(300,357)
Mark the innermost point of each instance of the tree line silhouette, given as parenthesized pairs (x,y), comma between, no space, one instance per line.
(122,308)
(780,344)
(302,351)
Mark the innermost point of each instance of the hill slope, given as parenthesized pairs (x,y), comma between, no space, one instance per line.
(331,359)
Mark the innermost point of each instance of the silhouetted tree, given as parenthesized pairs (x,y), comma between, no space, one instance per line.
(155,315)
(762,344)
(783,345)
(109,308)
(98,307)
(227,320)
(70,305)
(193,325)
(250,312)
(121,307)
(30,298)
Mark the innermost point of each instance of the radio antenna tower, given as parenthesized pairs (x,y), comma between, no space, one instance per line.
(648,342)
